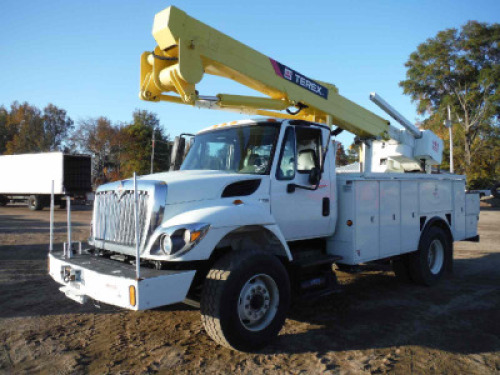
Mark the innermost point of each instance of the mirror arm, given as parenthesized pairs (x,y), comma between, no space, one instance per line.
(290,188)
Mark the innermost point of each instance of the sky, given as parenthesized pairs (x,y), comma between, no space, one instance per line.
(84,56)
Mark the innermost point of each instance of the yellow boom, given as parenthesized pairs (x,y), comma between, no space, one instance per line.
(187,48)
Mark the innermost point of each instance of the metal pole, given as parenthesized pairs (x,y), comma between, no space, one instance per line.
(51,236)
(153,152)
(136,215)
(451,140)
(69,250)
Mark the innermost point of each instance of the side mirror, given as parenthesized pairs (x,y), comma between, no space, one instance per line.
(315,176)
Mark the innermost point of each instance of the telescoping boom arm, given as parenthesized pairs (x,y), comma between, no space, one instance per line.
(187,49)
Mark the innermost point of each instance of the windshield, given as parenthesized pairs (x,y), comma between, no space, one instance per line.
(241,149)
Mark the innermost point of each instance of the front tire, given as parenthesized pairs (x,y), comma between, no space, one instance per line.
(245,299)
(427,265)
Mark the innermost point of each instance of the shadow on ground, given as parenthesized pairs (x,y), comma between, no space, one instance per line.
(376,311)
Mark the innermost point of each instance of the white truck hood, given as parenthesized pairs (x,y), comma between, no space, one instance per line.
(186,186)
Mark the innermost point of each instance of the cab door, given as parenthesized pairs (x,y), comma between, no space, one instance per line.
(300,213)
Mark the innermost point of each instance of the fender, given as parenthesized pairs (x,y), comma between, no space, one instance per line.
(441,222)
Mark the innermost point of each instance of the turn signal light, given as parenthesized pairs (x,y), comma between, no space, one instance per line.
(349,223)
(195,235)
(131,292)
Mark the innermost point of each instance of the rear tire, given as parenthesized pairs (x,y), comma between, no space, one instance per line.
(427,265)
(245,299)
(35,203)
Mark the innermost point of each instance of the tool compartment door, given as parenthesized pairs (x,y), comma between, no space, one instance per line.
(471,214)
(458,210)
(367,220)
(390,218)
(410,221)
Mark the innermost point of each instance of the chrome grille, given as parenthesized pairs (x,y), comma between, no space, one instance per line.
(114,217)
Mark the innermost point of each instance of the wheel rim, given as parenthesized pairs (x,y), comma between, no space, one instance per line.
(258,302)
(435,257)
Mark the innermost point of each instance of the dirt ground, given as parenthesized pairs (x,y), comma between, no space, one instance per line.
(375,325)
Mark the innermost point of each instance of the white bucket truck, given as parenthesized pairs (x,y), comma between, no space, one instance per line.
(258,214)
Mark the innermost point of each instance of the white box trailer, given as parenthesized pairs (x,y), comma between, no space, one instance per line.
(28,177)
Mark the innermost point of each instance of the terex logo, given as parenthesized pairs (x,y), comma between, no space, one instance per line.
(300,80)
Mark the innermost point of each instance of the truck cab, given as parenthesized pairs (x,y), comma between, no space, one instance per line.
(275,177)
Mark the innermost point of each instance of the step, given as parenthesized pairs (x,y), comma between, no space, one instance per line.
(313,261)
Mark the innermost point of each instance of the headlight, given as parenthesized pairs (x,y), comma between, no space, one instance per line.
(180,239)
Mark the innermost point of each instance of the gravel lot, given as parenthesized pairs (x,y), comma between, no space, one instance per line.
(375,325)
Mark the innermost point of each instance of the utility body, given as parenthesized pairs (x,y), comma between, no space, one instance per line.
(258,215)
(29,177)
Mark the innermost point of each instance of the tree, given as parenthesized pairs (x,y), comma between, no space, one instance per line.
(57,126)
(25,129)
(4,134)
(341,158)
(460,69)
(98,137)
(137,136)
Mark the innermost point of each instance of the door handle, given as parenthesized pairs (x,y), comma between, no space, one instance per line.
(326,206)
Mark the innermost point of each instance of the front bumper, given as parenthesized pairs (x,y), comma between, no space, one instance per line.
(88,276)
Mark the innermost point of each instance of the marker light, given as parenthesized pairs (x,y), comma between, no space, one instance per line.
(195,235)
(131,292)
(349,223)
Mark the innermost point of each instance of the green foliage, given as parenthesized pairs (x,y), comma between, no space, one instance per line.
(138,145)
(341,157)
(460,68)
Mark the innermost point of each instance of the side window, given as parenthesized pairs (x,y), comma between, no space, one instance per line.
(286,166)
(309,149)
